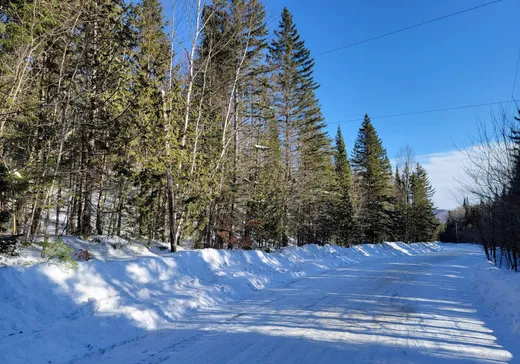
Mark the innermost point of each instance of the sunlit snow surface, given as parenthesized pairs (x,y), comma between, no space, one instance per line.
(390,303)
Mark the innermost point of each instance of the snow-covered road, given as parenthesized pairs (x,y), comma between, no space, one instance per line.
(417,309)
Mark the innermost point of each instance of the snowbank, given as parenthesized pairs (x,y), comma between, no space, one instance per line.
(104,303)
(499,289)
(101,247)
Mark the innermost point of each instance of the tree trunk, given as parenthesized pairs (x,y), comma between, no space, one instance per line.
(99,207)
(171,211)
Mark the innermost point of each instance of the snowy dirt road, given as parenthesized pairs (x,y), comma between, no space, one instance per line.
(408,310)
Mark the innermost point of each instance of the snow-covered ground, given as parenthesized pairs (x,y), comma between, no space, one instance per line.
(499,291)
(310,304)
(102,248)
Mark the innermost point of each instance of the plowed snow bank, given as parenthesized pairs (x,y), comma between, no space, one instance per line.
(48,312)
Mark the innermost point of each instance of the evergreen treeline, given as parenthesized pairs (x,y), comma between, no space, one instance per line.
(105,130)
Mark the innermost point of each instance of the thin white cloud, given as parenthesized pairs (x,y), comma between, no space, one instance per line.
(446,172)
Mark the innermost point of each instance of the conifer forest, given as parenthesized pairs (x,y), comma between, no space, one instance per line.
(108,128)
(259,181)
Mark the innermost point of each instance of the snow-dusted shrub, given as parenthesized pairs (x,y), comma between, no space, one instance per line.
(60,251)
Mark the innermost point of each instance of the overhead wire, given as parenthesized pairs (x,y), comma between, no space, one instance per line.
(416,26)
(426,111)
(408,28)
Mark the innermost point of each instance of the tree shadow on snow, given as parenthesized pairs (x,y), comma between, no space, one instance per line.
(402,312)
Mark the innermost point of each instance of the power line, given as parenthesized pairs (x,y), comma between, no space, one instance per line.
(407,28)
(425,111)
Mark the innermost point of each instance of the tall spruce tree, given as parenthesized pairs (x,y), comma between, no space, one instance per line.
(234,43)
(402,212)
(370,162)
(309,174)
(147,150)
(344,218)
(266,218)
(424,224)
(76,109)
(401,207)
(285,58)
(32,40)
(95,116)
(106,61)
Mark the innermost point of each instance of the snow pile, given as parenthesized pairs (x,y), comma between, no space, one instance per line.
(499,289)
(101,247)
(58,314)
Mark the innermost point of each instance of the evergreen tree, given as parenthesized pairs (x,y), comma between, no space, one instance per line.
(309,175)
(371,163)
(401,207)
(402,213)
(105,43)
(233,45)
(100,128)
(286,59)
(30,43)
(424,223)
(344,213)
(147,150)
(266,216)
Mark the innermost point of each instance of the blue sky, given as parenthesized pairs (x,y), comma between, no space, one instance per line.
(467,59)
(463,60)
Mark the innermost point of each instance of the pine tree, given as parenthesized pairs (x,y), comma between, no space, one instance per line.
(266,216)
(286,59)
(401,207)
(309,175)
(230,58)
(315,187)
(344,213)
(106,61)
(371,163)
(424,224)
(402,214)
(99,120)
(29,84)
(147,149)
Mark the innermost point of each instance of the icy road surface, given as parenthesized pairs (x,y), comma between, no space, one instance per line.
(416,309)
